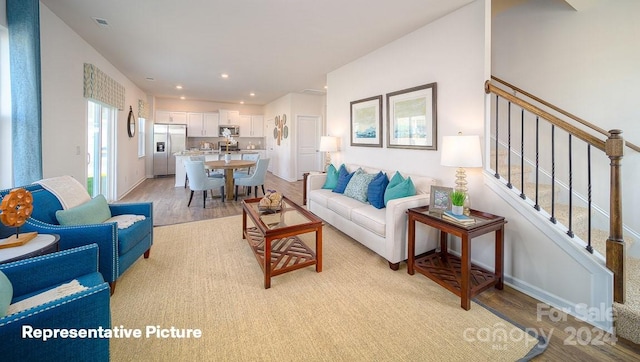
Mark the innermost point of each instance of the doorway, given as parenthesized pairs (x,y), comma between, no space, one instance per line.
(270,152)
(100,150)
(308,137)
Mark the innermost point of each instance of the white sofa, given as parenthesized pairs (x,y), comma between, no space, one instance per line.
(384,231)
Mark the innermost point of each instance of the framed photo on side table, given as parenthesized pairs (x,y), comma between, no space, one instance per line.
(412,118)
(439,199)
(366,122)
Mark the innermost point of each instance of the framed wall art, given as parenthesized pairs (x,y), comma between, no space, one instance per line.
(412,118)
(440,199)
(366,122)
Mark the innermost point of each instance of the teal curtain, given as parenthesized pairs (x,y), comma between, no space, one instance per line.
(23,19)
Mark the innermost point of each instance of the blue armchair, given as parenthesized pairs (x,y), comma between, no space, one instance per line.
(85,310)
(119,248)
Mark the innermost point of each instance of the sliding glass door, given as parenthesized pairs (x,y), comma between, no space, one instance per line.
(101,150)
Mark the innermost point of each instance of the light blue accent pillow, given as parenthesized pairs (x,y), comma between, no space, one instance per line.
(375,192)
(94,211)
(359,185)
(332,178)
(343,180)
(6,293)
(403,189)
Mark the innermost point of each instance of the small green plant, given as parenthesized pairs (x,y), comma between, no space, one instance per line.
(457,198)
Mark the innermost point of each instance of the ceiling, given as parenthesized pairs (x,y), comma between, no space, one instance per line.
(267,47)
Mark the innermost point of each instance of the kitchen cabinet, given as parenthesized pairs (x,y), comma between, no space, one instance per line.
(202,124)
(211,121)
(245,126)
(257,126)
(171,117)
(229,117)
(251,126)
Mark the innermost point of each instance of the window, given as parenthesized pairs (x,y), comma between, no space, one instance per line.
(141,137)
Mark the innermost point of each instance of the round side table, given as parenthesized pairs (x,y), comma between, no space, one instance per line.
(40,245)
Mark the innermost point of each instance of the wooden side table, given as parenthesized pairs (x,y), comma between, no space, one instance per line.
(457,274)
(40,245)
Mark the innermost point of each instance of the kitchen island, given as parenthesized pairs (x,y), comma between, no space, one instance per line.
(209,155)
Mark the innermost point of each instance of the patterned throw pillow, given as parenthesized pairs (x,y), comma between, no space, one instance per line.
(332,178)
(359,185)
(375,192)
(343,179)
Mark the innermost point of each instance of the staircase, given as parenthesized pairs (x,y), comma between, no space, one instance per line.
(520,174)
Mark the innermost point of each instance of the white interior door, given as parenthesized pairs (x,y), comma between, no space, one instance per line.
(268,132)
(308,138)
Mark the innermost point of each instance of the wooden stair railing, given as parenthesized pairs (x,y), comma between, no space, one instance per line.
(613,147)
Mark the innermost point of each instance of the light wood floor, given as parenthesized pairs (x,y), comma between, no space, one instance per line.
(571,340)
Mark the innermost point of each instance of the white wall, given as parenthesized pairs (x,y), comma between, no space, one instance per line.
(64,109)
(454,51)
(585,62)
(283,157)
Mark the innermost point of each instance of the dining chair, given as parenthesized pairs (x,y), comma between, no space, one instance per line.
(192,158)
(255,179)
(198,181)
(244,172)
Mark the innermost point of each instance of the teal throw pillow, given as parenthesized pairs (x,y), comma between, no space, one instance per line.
(94,211)
(332,178)
(403,189)
(359,185)
(375,192)
(395,180)
(6,293)
(343,180)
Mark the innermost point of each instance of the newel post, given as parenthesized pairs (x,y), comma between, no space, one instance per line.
(614,147)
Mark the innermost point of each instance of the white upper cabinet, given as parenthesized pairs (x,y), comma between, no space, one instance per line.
(202,124)
(195,125)
(251,126)
(257,126)
(245,126)
(171,117)
(210,124)
(229,117)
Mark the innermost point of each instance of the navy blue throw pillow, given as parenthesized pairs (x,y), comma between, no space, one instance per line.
(343,179)
(375,193)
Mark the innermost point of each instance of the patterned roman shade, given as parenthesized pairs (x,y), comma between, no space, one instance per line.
(102,88)
(143,109)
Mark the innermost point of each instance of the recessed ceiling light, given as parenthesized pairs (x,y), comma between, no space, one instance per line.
(252,94)
(241,102)
(183,98)
(224,75)
(178,86)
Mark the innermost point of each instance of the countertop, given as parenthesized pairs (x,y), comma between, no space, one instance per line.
(211,151)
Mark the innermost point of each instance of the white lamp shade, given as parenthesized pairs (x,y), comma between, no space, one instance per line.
(328,144)
(461,151)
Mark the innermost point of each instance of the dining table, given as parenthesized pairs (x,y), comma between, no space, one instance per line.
(228,167)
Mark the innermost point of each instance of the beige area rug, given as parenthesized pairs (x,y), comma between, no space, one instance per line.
(203,275)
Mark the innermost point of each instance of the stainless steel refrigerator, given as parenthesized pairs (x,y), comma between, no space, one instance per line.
(167,140)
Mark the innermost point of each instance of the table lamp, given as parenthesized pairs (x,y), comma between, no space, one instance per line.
(461,151)
(328,144)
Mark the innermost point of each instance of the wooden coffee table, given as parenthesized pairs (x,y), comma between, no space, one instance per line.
(273,237)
